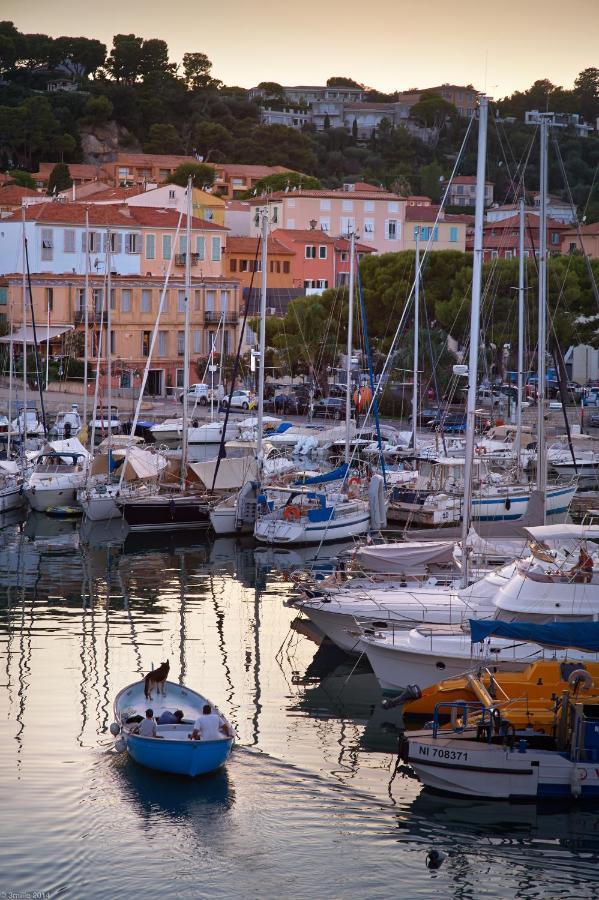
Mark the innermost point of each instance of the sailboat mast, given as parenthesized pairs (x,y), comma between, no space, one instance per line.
(520,387)
(542,315)
(184,442)
(477,271)
(350,341)
(416,330)
(10,379)
(109,333)
(86,319)
(24,293)
(262,336)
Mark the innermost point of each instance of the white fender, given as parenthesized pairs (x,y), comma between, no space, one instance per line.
(377,502)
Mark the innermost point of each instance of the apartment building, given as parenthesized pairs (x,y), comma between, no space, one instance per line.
(437,230)
(144,168)
(462,191)
(501,238)
(376,216)
(233,180)
(139,240)
(582,240)
(81,173)
(134,304)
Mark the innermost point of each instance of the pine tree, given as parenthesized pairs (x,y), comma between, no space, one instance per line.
(60,179)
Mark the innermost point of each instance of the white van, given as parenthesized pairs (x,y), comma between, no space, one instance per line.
(199,393)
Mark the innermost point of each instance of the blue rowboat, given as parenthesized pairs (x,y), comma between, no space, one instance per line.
(172,750)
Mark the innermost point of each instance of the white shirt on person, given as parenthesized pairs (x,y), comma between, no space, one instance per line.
(147,728)
(209,727)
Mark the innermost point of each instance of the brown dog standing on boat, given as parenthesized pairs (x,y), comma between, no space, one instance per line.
(156,679)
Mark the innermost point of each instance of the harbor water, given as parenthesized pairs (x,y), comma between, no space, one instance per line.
(313,803)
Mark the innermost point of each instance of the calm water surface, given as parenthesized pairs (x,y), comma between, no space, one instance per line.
(312,803)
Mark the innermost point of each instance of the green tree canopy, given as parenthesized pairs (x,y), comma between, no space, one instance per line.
(163,138)
(24,179)
(341,81)
(281,181)
(202,175)
(60,179)
(196,71)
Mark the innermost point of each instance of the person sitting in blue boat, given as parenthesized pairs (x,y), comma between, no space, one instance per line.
(210,726)
(147,727)
(169,718)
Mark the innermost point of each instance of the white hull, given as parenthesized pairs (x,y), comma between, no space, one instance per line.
(424,658)
(11,498)
(44,493)
(271,530)
(100,509)
(224,521)
(469,768)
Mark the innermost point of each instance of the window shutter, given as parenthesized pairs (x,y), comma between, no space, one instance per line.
(118,242)
(83,247)
(200,246)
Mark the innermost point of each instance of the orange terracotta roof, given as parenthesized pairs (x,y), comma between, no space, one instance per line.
(237,205)
(166,161)
(60,213)
(360,186)
(422,213)
(373,194)
(300,235)
(117,194)
(12,194)
(342,244)
(255,171)
(76,170)
(248,245)
(591,229)
(530,220)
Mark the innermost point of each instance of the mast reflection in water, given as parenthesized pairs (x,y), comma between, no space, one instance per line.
(311,804)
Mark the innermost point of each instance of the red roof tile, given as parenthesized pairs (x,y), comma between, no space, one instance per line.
(60,213)
(373,194)
(12,194)
(76,170)
(117,194)
(301,235)
(248,245)
(342,245)
(145,160)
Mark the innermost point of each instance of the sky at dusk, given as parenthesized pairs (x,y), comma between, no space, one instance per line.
(498,46)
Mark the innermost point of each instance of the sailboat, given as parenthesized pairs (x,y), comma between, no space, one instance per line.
(333,506)
(177,509)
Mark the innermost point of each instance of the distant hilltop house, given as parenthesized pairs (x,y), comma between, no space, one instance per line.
(55,85)
(335,106)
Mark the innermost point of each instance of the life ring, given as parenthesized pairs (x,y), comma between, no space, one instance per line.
(354,482)
(292,512)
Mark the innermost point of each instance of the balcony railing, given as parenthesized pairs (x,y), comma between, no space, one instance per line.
(180,259)
(213,318)
(94,317)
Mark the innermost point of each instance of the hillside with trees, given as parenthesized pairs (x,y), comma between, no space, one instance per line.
(154,104)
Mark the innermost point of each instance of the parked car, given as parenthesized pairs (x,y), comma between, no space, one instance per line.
(593,420)
(329,408)
(286,405)
(448,422)
(200,393)
(337,390)
(240,399)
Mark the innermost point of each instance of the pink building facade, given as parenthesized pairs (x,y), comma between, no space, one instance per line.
(376,216)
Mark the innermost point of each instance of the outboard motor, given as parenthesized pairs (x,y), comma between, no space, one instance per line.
(411,692)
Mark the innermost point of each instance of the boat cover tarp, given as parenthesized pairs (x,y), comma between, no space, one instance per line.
(403,557)
(566,532)
(141,464)
(9,467)
(70,445)
(579,635)
(233,472)
(335,475)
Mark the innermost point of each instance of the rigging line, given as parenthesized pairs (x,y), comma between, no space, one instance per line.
(564,175)
(221,446)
